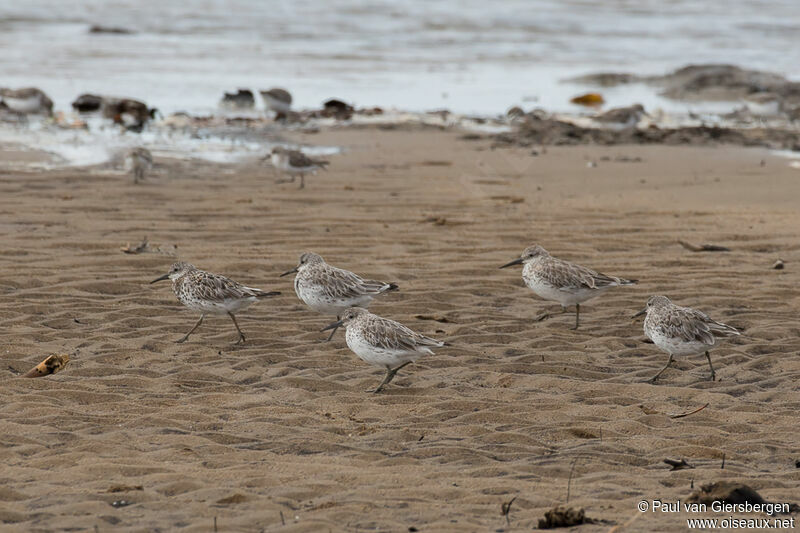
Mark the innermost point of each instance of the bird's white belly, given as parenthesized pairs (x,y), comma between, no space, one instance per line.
(565,297)
(217,308)
(320,302)
(275,104)
(675,346)
(23,105)
(375,355)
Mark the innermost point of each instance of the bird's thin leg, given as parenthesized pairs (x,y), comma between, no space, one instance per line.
(241,335)
(185,337)
(302,180)
(713,374)
(390,373)
(577,315)
(334,330)
(654,378)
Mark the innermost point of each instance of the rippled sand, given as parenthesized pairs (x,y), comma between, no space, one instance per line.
(280,431)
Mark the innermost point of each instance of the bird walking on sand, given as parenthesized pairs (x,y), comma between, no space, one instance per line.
(140,161)
(212,294)
(560,281)
(330,290)
(294,163)
(383,342)
(680,330)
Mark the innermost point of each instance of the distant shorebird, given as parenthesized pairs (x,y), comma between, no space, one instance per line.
(210,293)
(127,112)
(278,100)
(29,100)
(294,163)
(241,99)
(620,118)
(681,330)
(561,281)
(330,290)
(140,161)
(383,342)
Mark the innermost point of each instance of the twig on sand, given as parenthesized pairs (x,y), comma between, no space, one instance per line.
(681,415)
(139,248)
(703,247)
(678,465)
(506,508)
(569,481)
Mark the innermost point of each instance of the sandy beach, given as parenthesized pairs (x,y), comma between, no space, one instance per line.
(280,435)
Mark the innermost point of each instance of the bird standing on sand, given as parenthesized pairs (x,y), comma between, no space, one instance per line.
(680,330)
(560,281)
(294,163)
(330,290)
(620,118)
(278,100)
(140,161)
(210,293)
(383,342)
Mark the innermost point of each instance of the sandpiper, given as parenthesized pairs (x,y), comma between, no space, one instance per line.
(210,293)
(295,162)
(241,99)
(330,290)
(560,281)
(29,100)
(127,112)
(278,100)
(681,330)
(620,118)
(763,104)
(383,342)
(140,161)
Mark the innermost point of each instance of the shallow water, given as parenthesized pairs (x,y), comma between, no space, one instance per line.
(469,56)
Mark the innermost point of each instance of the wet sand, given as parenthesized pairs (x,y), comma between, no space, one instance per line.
(279,435)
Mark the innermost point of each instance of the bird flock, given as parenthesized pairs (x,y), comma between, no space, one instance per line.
(385,343)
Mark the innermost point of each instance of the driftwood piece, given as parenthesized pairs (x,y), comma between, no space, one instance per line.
(678,465)
(51,365)
(703,247)
(681,415)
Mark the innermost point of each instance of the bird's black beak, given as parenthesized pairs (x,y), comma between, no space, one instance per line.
(162,278)
(640,313)
(332,326)
(516,261)
(292,271)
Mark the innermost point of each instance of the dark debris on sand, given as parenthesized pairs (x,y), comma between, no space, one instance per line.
(561,516)
(731,492)
(544,130)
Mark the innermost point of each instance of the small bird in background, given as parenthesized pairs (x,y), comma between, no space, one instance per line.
(139,162)
(560,281)
(241,99)
(620,118)
(209,293)
(278,100)
(383,342)
(294,163)
(680,330)
(28,100)
(330,290)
